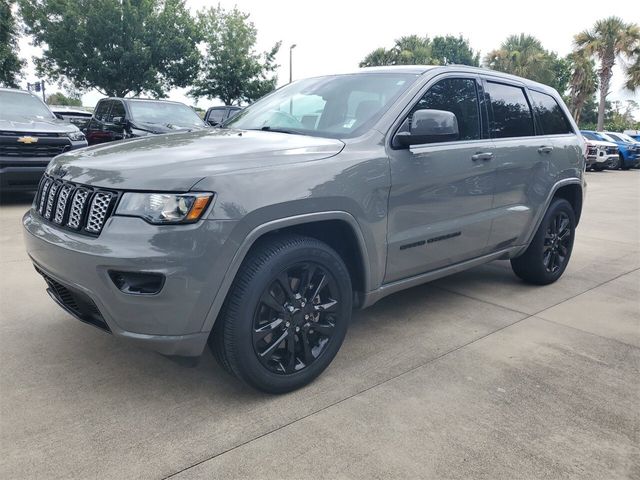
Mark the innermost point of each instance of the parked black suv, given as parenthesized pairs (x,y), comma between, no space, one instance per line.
(30,136)
(118,118)
(218,115)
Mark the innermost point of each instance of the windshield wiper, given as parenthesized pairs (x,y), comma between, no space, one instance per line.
(268,128)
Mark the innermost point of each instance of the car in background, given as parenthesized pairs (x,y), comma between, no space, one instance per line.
(78,116)
(628,153)
(600,154)
(120,118)
(629,150)
(635,134)
(218,115)
(30,136)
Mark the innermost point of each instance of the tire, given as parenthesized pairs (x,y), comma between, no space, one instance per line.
(598,168)
(623,166)
(617,164)
(547,257)
(277,340)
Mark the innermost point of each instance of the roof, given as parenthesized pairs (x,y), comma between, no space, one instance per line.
(16,90)
(422,69)
(129,99)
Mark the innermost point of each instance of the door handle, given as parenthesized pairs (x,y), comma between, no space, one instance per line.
(545,149)
(482,156)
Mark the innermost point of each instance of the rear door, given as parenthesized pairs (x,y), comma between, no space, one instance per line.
(521,161)
(441,193)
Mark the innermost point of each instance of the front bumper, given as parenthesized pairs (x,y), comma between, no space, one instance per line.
(170,321)
(22,174)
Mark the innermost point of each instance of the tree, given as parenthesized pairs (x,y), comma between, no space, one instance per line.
(524,55)
(118,47)
(417,50)
(232,69)
(10,64)
(60,98)
(583,82)
(450,50)
(633,72)
(609,39)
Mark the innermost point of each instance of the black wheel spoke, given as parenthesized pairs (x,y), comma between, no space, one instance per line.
(267,354)
(260,333)
(270,301)
(306,349)
(323,328)
(319,287)
(285,283)
(306,279)
(329,306)
(291,350)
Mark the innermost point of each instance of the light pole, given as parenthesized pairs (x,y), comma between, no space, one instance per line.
(291,62)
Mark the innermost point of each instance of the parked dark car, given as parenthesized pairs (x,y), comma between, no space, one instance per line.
(218,115)
(119,118)
(75,115)
(30,136)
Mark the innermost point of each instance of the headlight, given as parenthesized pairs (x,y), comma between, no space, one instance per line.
(164,208)
(76,136)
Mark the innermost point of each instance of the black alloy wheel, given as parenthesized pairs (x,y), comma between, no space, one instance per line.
(296,318)
(557,242)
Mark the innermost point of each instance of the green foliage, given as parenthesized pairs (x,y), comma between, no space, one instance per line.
(416,50)
(118,47)
(524,55)
(450,50)
(60,98)
(232,69)
(582,84)
(10,64)
(609,39)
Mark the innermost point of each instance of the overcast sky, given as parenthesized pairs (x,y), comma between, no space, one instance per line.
(333,36)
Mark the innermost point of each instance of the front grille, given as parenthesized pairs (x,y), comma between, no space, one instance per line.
(45,151)
(612,150)
(75,302)
(591,150)
(72,206)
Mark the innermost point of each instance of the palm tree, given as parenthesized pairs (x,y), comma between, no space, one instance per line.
(583,82)
(608,40)
(522,55)
(633,73)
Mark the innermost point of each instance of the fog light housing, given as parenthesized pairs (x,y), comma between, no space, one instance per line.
(137,283)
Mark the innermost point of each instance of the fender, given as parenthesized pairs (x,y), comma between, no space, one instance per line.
(271,226)
(538,219)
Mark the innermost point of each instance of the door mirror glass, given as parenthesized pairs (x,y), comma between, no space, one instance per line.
(429,126)
(119,121)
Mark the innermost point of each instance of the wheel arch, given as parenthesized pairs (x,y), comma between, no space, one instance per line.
(339,229)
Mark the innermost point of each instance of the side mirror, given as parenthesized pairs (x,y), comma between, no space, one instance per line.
(58,116)
(213,123)
(119,121)
(428,126)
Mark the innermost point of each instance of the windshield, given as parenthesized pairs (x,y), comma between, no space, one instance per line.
(338,106)
(591,136)
(17,105)
(607,138)
(164,113)
(622,137)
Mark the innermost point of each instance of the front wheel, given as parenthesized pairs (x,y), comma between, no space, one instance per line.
(286,314)
(548,255)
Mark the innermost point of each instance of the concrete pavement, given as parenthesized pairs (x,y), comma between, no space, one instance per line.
(474,376)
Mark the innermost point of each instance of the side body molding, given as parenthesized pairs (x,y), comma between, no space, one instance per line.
(271,226)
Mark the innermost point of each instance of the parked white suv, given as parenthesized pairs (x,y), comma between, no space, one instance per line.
(600,155)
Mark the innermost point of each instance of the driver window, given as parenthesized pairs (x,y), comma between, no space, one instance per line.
(458,96)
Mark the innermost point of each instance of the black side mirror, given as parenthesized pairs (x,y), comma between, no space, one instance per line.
(58,116)
(120,121)
(213,123)
(428,126)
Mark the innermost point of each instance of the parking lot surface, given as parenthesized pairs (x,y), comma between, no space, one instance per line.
(474,376)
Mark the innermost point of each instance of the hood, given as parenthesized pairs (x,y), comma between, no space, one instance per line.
(36,125)
(600,143)
(178,161)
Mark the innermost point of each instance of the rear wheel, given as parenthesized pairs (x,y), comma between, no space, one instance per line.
(286,315)
(548,255)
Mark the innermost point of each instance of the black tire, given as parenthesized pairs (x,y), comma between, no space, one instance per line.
(316,330)
(548,255)
(598,168)
(616,164)
(623,166)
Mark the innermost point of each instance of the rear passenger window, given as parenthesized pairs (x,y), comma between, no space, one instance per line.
(216,115)
(551,118)
(458,96)
(511,113)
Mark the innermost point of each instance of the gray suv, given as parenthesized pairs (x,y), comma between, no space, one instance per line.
(260,237)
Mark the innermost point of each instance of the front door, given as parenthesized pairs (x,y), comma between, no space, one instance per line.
(441,193)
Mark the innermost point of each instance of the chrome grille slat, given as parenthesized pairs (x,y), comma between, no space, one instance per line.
(98,211)
(43,195)
(61,206)
(77,208)
(50,198)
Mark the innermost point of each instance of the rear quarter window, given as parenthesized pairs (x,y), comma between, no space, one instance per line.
(551,117)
